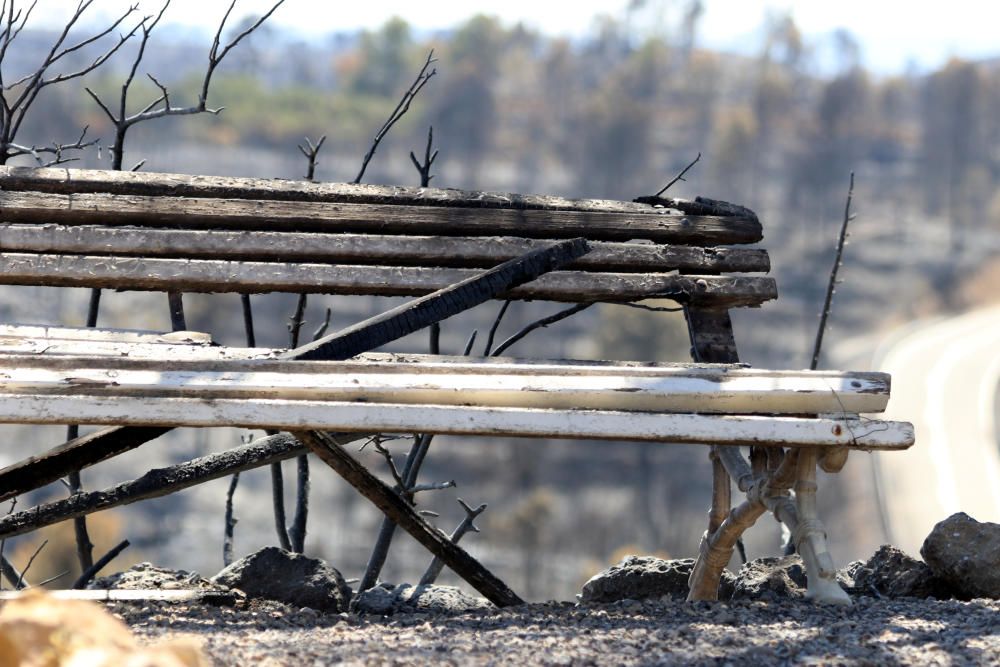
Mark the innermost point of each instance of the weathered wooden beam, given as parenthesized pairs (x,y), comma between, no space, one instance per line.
(302,216)
(60,180)
(160,482)
(708,390)
(400,512)
(290,415)
(458,296)
(409,250)
(257,277)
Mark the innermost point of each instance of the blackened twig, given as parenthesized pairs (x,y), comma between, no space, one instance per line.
(542,323)
(433,486)
(424,168)
(20,582)
(99,565)
(469,343)
(496,325)
(321,330)
(678,177)
(248,320)
(831,285)
(278,502)
(466,526)
(311,154)
(231,521)
(10,573)
(297,320)
(176,303)
(161,106)
(401,108)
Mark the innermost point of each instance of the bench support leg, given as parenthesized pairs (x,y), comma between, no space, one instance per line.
(810,536)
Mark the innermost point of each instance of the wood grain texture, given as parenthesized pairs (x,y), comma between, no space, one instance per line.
(269,215)
(345,248)
(61,180)
(258,277)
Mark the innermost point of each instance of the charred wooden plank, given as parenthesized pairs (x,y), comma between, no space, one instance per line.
(301,216)
(160,482)
(141,273)
(59,180)
(87,450)
(345,248)
(450,300)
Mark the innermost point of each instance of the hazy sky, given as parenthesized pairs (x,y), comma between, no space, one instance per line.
(892,33)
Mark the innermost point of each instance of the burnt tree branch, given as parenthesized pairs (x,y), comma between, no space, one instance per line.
(401,108)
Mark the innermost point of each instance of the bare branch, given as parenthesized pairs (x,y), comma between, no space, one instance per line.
(227,541)
(424,168)
(11,574)
(20,582)
(678,177)
(92,571)
(321,330)
(830,286)
(540,324)
(393,470)
(401,108)
(466,526)
(311,154)
(433,486)
(496,325)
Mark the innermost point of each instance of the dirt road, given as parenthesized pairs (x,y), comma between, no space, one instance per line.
(944,379)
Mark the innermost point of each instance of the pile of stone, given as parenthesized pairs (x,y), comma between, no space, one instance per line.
(961,560)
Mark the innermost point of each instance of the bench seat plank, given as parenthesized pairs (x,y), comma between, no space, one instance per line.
(300,216)
(176,275)
(345,248)
(283,414)
(62,180)
(531,385)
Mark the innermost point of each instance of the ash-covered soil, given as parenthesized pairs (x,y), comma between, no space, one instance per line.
(871,632)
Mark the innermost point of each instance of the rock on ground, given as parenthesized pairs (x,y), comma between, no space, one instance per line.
(892,573)
(276,574)
(643,577)
(966,554)
(146,576)
(771,579)
(387,599)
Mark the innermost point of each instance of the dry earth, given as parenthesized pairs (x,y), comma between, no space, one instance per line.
(872,632)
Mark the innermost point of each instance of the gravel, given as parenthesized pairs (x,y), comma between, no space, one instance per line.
(871,632)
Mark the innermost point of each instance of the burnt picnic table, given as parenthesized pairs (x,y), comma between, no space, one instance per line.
(451,249)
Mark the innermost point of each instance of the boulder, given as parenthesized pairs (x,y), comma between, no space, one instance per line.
(771,579)
(146,576)
(641,577)
(276,574)
(966,555)
(892,573)
(387,599)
